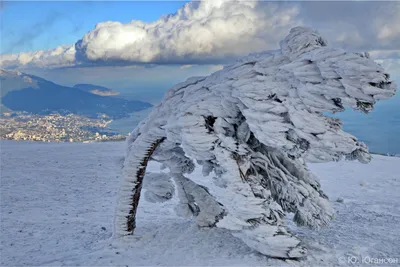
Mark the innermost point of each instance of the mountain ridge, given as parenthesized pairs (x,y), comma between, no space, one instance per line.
(26,92)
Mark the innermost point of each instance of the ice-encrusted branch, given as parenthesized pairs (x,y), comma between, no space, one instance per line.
(252,127)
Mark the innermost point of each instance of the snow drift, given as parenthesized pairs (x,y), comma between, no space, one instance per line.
(252,126)
(58,200)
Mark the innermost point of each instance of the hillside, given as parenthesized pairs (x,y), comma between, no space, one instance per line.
(96,89)
(25,92)
(58,203)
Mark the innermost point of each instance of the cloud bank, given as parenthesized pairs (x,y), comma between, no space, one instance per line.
(218,31)
(62,56)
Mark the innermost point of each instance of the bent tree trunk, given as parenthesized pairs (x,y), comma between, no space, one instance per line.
(133,173)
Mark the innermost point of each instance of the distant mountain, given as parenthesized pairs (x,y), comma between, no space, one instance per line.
(96,89)
(25,92)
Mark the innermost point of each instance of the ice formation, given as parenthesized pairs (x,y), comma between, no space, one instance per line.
(252,126)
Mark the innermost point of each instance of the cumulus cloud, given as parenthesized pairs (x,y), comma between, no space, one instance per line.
(199,32)
(218,31)
(62,56)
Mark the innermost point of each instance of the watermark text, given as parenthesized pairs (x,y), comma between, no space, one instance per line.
(348,260)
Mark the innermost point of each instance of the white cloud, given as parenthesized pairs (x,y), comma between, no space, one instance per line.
(186,66)
(62,56)
(217,31)
(216,67)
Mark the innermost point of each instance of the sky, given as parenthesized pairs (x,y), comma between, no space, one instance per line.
(48,24)
(147,46)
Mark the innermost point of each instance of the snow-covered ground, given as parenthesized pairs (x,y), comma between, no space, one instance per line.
(58,202)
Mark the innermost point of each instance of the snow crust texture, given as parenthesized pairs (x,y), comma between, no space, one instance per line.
(58,201)
(252,126)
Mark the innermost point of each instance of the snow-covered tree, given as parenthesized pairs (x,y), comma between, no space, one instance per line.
(252,127)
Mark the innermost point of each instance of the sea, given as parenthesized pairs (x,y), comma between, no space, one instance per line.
(126,125)
(380,129)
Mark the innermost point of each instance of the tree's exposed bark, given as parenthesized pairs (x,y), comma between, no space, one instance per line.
(131,218)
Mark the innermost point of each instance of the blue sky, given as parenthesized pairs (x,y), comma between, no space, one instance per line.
(48,24)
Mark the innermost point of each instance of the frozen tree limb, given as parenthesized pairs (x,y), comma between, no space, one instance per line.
(252,127)
(135,162)
(158,186)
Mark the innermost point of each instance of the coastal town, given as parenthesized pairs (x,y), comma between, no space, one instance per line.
(55,128)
